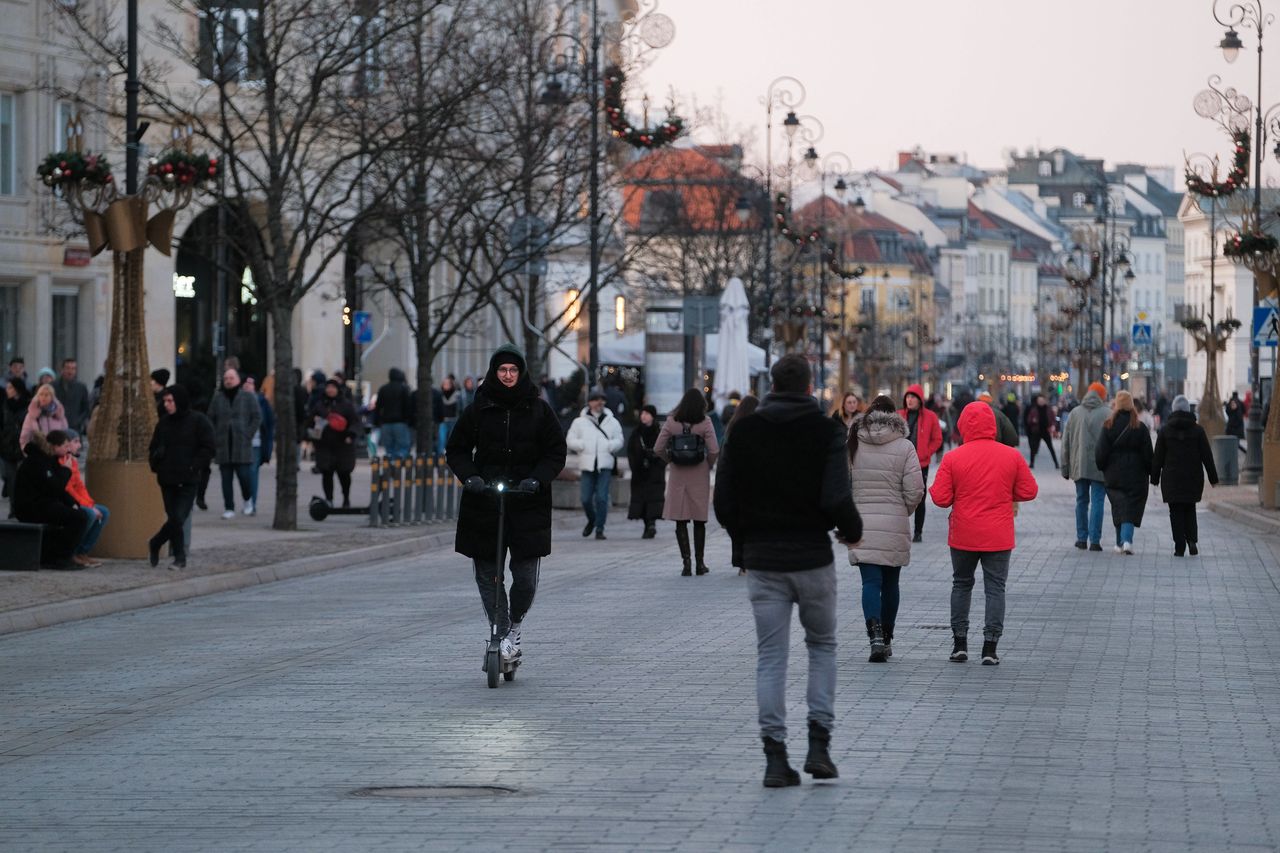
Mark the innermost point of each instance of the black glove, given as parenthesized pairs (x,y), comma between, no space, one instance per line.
(528,484)
(474,485)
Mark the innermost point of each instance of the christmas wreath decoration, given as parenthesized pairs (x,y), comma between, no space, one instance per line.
(785,228)
(74,167)
(177,167)
(637,137)
(1248,243)
(799,311)
(1236,178)
(829,257)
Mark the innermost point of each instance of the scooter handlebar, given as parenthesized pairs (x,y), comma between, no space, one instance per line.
(505,488)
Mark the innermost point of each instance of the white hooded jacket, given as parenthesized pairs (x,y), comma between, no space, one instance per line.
(596,442)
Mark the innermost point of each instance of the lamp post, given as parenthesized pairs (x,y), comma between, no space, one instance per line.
(785,92)
(1250,13)
(838,165)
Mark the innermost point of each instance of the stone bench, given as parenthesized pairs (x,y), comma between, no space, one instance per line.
(20,546)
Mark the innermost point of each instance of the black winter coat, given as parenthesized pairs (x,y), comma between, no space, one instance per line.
(511,442)
(182,446)
(1124,456)
(12,413)
(41,483)
(395,401)
(648,473)
(336,449)
(1182,457)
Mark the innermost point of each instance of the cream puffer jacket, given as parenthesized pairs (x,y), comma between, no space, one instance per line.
(887,488)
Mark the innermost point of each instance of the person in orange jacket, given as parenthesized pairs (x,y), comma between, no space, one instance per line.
(980,480)
(924,431)
(95,512)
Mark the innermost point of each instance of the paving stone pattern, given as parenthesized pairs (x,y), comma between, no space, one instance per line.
(1137,708)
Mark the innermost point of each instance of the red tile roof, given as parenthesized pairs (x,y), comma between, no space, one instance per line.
(707,189)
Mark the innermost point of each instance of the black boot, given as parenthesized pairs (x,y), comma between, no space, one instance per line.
(877,641)
(700,545)
(887,630)
(778,772)
(682,539)
(650,530)
(989,656)
(960,650)
(818,763)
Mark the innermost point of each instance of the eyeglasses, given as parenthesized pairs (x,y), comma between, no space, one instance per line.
(510,369)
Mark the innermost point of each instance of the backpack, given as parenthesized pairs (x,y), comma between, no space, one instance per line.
(688,448)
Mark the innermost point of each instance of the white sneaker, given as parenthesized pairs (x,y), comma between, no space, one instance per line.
(509,651)
(1127,547)
(249,509)
(1119,549)
(231,513)
(514,636)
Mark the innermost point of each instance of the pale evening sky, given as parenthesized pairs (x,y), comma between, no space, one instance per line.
(1109,78)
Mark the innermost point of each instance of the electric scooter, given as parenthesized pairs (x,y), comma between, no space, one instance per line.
(493,662)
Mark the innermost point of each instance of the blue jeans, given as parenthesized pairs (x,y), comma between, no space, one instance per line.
(880,594)
(1124,532)
(94,529)
(253,474)
(396,440)
(772,595)
(1089,497)
(595,496)
(995,574)
(230,474)
(443,429)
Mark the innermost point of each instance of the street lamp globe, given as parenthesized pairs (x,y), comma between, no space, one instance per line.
(742,209)
(859,206)
(791,124)
(1231,45)
(841,188)
(1129,275)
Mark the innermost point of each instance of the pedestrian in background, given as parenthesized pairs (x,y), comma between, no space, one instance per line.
(688,441)
(393,415)
(96,514)
(236,418)
(335,428)
(648,473)
(1079,463)
(1006,432)
(159,381)
(744,407)
(1037,423)
(182,447)
(13,411)
(596,437)
(1124,457)
(40,496)
(1181,460)
(923,431)
(1234,411)
(450,408)
(887,488)
(263,440)
(980,481)
(1012,410)
(73,395)
(44,415)
(783,483)
(850,408)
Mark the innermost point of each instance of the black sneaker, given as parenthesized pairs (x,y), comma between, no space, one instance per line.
(960,651)
(153,552)
(1192,549)
(1081,544)
(917,538)
(586,531)
(1095,546)
(989,656)
(600,534)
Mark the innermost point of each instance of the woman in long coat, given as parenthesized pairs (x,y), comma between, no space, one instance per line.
(1182,458)
(336,447)
(746,406)
(688,494)
(648,472)
(887,487)
(44,415)
(1124,456)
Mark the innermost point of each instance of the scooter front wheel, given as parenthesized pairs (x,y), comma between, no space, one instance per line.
(493,666)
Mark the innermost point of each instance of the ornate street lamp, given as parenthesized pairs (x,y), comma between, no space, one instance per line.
(782,92)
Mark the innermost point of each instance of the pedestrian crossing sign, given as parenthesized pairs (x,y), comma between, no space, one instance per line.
(1266,326)
(1142,334)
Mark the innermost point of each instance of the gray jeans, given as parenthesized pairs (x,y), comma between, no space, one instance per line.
(772,594)
(995,571)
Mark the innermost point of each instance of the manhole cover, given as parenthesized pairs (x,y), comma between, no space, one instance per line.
(424,792)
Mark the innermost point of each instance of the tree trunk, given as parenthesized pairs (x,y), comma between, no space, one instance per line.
(1209,412)
(424,417)
(286,516)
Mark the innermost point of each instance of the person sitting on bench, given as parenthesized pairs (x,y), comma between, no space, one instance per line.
(40,496)
(95,512)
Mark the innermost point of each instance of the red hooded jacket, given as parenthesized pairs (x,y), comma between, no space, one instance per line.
(928,430)
(980,480)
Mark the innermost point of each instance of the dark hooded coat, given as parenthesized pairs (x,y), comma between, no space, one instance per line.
(1124,456)
(336,449)
(395,401)
(648,473)
(507,434)
(182,444)
(1181,460)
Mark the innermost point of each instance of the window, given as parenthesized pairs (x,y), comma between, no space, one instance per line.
(66,316)
(230,41)
(619,314)
(1046,169)
(8,144)
(8,323)
(1078,199)
(370,34)
(63,115)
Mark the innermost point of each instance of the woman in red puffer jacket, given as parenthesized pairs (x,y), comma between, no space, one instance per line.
(925,432)
(980,481)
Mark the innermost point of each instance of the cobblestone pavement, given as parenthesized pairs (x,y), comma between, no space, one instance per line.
(1137,708)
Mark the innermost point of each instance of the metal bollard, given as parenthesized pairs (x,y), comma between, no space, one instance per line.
(409,496)
(384,495)
(374,466)
(451,495)
(420,501)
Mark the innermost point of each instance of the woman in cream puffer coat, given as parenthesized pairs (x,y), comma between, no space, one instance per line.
(887,488)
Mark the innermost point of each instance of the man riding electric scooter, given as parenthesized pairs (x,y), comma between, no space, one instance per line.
(509,435)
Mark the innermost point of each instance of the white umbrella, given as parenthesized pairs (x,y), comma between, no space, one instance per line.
(732,367)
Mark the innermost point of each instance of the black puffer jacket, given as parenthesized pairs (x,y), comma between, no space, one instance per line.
(507,434)
(182,445)
(41,483)
(648,471)
(395,401)
(1182,457)
(336,449)
(1124,456)
(12,413)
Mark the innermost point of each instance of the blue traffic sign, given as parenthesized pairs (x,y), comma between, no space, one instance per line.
(1142,334)
(362,327)
(1266,326)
